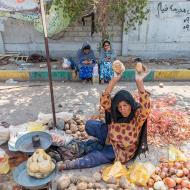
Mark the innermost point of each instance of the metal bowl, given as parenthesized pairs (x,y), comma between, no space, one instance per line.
(22,178)
(25,144)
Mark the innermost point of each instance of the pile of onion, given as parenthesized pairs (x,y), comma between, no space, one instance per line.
(175,175)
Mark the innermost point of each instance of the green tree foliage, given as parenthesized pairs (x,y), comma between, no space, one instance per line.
(75,8)
(133,12)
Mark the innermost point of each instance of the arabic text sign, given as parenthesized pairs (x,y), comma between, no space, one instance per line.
(169,10)
(176,9)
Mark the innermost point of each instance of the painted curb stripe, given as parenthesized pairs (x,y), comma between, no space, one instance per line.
(56,75)
(16,75)
(129,75)
(172,75)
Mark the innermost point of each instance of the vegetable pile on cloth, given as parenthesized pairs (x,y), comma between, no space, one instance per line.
(167,124)
(172,172)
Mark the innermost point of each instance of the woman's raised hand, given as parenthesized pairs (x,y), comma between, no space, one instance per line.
(112,83)
(116,78)
(140,71)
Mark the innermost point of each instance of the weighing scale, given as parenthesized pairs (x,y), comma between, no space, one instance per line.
(26,145)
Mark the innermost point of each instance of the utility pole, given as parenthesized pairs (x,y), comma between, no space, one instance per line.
(48,59)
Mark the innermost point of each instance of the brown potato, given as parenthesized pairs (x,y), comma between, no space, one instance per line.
(82,186)
(97,176)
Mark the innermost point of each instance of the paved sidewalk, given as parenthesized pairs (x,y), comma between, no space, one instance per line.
(160,70)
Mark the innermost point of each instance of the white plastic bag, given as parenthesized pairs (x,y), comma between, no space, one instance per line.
(176,155)
(15,133)
(4,134)
(45,118)
(4,162)
(149,167)
(66,63)
(60,138)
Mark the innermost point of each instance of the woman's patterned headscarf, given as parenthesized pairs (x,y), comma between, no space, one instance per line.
(115,115)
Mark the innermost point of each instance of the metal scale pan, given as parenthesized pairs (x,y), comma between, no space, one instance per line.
(25,144)
(22,178)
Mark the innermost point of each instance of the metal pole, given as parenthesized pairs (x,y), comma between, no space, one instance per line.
(48,60)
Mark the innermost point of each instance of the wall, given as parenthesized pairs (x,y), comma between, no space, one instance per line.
(22,37)
(2,48)
(166,33)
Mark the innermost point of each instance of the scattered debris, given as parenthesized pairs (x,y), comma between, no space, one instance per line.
(22,64)
(36,58)
(54,67)
(11,81)
(22,58)
(5,124)
(60,106)
(161,85)
(8,58)
(43,65)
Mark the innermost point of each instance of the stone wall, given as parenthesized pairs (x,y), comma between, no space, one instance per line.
(20,36)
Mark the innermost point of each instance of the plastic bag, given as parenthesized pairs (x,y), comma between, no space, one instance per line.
(4,134)
(176,155)
(4,162)
(138,174)
(15,133)
(60,124)
(35,126)
(66,63)
(115,170)
(59,138)
(149,167)
(45,118)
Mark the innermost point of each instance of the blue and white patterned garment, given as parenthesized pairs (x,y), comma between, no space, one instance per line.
(85,72)
(106,71)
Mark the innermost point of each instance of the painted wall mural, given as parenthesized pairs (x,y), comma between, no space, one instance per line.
(56,20)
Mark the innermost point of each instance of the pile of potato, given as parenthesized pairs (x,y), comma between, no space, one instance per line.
(76,128)
(92,183)
(171,176)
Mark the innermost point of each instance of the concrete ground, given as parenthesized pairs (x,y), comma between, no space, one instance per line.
(23,101)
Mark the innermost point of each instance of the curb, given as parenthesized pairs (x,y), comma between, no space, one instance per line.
(56,75)
(67,75)
(175,75)
(16,75)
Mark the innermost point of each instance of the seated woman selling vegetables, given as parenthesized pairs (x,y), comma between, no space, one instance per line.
(124,134)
